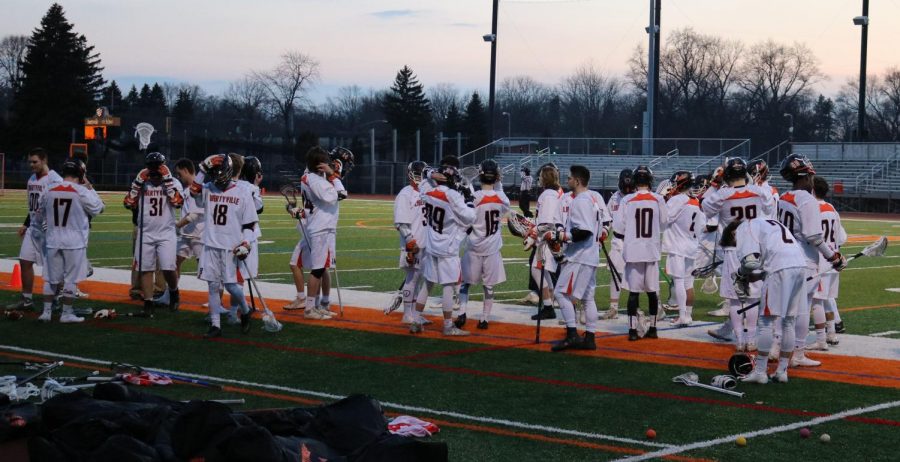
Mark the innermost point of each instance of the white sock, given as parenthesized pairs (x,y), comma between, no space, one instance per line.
(301,295)
(310,303)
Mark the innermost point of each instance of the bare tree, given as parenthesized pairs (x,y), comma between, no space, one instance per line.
(286,84)
(347,106)
(442,96)
(528,102)
(247,95)
(776,78)
(588,98)
(12,51)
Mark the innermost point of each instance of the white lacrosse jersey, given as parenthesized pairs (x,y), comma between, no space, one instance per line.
(686,220)
(226,213)
(157,213)
(729,203)
(565,203)
(37,186)
(614,201)
(642,218)
(490,208)
(605,216)
(256,196)
(447,217)
(527,180)
(773,199)
(549,207)
(832,232)
(67,208)
(409,209)
(772,241)
(799,211)
(195,228)
(585,213)
(320,199)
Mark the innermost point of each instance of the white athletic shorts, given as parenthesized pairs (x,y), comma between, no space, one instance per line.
(577,281)
(642,276)
(678,266)
(218,265)
(189,247)
(730,265)
(828,286)
(616,261)
(487,270)
(783,293)
(66,266)
(549,262)
(252,262)
(441,270)
(33,249)
(161,252)
(297,254)
(320,252)
(417,262)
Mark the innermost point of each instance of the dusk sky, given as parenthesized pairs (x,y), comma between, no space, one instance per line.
(365,42)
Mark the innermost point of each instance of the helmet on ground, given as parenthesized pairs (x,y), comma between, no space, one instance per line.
(488,172)
(740,364)
(252,167)
(796,166)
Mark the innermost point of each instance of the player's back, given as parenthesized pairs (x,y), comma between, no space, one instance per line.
(444,227)
(158,213)
(225,214)
(799,211)
(67,208)
(832,232)
(490,207)
(773,241)
(736,203)
(409,208)
(686,220)
(549,207)
(642,213)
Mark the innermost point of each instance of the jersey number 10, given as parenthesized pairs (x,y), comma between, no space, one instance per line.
(643,223)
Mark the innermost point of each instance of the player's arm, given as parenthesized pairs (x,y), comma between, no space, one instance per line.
(769,204)
(249,220)
(711,206)
(257,199)
(90,201)
(323,192)
(464,214)
(618,223)
(811,232)
(663,213)
(339,187)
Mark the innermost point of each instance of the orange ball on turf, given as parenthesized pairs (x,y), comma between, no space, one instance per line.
(651,434)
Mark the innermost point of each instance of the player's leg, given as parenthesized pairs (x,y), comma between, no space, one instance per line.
(167,254)
(634,275)
(819,320)
(801,325)
(296,265)
(145,258)
(319,253)
(73,259)
(651,284)
(449,272)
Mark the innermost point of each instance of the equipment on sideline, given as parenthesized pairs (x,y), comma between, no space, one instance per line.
(143,131)
(708,270)
(44,370)
(270,324)
(710,286)
(126,368)
(740,364)
(690,379)
(726,382)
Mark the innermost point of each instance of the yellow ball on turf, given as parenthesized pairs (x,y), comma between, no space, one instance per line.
(740,441)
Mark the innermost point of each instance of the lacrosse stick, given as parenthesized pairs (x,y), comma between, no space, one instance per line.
(468,175)
(396,300)
(875,249)
(222,401)
(337,286)
(710,286)
(540,305)
(518,224)
(270,324)
(132,369)
(614,273)
(690,379)
(664,187)
(52,388)
(143,131)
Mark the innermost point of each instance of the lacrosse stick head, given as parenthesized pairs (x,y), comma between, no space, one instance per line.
(877,248)
(290,194)
(467,175)
(664,187)
(710,286)
(270,324)
(688,378)
(519,225)
(143,131)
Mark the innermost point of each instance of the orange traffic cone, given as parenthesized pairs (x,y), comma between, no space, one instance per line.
(16,280)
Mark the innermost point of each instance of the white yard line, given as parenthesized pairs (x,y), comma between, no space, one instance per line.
(885,334)
(766,431)
(389,405)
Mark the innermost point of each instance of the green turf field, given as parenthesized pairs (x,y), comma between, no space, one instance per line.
(503,404)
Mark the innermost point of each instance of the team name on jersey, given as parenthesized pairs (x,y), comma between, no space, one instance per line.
(154,192)
(224,198)
(36,187)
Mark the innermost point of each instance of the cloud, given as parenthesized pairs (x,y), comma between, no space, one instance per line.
(394,14)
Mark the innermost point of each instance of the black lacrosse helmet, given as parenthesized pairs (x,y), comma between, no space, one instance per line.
(735,169)
(342,160)
(220,172)
(74,167)
(154,160)
(252,167)
(450,160)
(488,172)
(699,186)
(451,176)
(758,170)
(414,171)
(626,181)
(740,364)
(796,166)
(681,180)
(643,176)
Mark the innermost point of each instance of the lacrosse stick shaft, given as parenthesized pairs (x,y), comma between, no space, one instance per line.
(39,373)
(337,286)
(223,401)
(739,394)
(614,273)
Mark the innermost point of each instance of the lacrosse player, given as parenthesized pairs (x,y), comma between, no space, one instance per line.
(64,210)
(736,200)
(616,263)
(799,211)
(525,191)
(230,222)
(642,219)
(767,251)
(577,279)
(446,215)
(824,307)
(681,244)
(190,226)
(156,195)
(33,250)
(409,208)
(482,262)
(759,175)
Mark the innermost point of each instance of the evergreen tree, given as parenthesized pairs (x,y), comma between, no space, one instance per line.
(453,122)
(158,99)
(183,109)
(60,84)
(823,119)
(144,99)
(132,101)
(475,123)
(405,106)
(112,97)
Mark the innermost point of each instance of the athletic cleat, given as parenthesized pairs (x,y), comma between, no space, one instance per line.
(756,376)
(839,327)
(454,331)
(530,299)
(162,299)
(721,312)
(678,322)
(661,314)
(587,343)
(651,333)
(324,311)
(69,318)
(313,313)
(396,301)
(21,305)
(818,346)
(174,301)
(561,321)
(424,321)
(483,325)
(297,304)
(780,377)
(633,335)
(416,328)
(245,322)
(572,341)
(408,320)
(641,323)
(213,332)
(832,339)
(800,360)
(723,333)
(137,295)
(460,321)
(232,319)
(80,294)
(46,316)
(611,313)
(546,312)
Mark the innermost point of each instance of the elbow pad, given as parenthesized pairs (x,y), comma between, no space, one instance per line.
(405,231)
(247,232)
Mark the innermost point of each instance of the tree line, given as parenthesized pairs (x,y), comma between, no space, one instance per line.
(710,87)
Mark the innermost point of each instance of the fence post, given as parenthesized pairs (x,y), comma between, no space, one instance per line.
(394,138)
(418,145)
(372,152)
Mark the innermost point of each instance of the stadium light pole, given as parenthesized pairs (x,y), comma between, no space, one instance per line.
(508,129)
(790,131)
(863,22)
(492,38)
